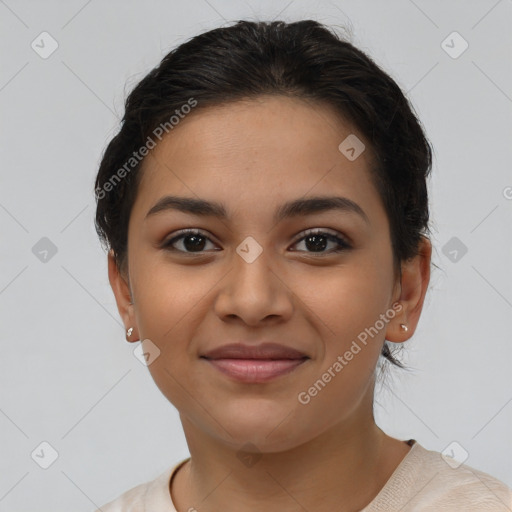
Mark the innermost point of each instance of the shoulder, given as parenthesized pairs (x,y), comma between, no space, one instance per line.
(129,501)
(152,495)
(445,484)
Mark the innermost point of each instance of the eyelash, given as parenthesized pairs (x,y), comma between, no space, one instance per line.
(343,245)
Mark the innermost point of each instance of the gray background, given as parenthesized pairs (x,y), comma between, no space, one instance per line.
(67,375)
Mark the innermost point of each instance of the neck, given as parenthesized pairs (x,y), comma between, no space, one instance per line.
(343,469)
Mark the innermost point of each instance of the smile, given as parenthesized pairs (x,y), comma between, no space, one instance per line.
(255,370)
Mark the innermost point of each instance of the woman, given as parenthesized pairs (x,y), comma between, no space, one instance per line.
(266,213)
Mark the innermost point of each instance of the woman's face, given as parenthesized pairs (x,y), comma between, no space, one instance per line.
(256,277)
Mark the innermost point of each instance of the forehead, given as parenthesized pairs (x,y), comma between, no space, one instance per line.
(258,153)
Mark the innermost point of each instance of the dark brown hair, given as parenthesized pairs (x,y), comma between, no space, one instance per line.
(302,59)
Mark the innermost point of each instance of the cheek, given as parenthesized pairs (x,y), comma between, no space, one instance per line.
(347,310)
(171,302)
(344,299)
(168,297)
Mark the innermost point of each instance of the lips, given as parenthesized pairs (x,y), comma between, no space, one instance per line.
(261,351)
(255,364)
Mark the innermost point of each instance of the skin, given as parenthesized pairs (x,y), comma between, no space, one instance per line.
(252,156)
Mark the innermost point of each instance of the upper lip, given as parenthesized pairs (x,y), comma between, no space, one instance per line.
(261,351)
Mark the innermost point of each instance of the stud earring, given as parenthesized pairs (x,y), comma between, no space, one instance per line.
(404,327)
(129,332)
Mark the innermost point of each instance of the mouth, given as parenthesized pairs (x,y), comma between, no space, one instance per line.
(255,364)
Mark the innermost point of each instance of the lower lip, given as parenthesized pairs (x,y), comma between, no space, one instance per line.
(255,370)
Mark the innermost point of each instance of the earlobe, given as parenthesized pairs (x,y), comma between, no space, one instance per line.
(398,329)
(122,294)
(129,333)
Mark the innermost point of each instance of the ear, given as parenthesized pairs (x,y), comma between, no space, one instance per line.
(121,289)
(414,285)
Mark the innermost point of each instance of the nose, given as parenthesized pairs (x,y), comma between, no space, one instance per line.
(254,292)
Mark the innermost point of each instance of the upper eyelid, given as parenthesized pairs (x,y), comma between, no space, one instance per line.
(184,232)
(328,231)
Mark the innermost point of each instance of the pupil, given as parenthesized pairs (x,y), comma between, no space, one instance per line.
(316,244)
(196,242)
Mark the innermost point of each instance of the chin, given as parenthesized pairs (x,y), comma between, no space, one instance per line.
(269,427)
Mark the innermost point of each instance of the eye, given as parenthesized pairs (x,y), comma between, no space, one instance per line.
(317,241)
(191,241)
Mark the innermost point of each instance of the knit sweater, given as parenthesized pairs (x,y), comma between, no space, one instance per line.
(424,481)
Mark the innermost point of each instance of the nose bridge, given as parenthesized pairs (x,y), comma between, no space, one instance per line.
(253,290)
(252,271)
(252,265)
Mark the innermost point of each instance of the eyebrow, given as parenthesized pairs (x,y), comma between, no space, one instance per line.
(298,207)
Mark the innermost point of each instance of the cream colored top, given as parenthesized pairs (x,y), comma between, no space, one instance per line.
(422,482)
